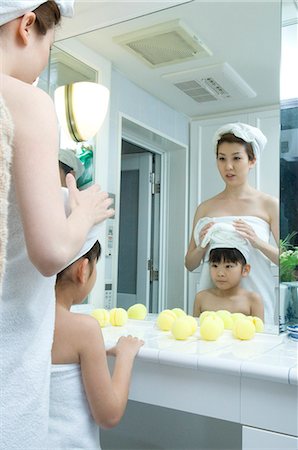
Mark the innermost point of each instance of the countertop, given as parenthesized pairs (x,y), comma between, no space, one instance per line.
(265,357)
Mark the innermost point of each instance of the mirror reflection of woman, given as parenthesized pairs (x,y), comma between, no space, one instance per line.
(254,214)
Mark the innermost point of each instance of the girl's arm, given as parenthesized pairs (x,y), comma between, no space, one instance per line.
(107,395)
(195,253)
(197,305)
(257,307)
(52,239)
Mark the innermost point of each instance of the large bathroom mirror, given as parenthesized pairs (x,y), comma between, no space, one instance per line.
(202,64)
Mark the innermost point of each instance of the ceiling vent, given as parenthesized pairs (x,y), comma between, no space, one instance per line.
(167,43)
(219,82)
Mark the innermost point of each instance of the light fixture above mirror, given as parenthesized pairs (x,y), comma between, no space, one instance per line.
(81,108)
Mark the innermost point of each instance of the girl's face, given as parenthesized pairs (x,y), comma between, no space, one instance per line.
(233,163)
(226,275)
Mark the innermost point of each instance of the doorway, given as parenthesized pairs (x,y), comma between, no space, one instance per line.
(139,227)
(156,219)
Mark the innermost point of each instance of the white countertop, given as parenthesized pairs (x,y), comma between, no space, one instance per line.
(266,356)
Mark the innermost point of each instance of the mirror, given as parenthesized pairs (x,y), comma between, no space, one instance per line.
(228,72)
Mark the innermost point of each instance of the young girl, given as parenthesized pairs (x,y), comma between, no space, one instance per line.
(41,238)
(254,214)
(83,394)
(228,267)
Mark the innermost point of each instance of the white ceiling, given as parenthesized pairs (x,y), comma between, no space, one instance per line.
(246,35)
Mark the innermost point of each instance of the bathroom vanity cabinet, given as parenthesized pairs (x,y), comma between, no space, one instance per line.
(252,383)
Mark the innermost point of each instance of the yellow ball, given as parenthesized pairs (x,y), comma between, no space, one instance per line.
(193,322)
(179,312)
(226,317)
(259,324)
(181,328)
(165,320)
(118,317)
(102,316)
(236,316)
(211,328)
(244,329)
(137,311)
(169,311)
(205,314)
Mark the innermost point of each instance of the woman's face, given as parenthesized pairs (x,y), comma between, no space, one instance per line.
(233,163)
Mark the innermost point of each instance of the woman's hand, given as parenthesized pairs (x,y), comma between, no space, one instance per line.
(204,231)
(127,345)
(93,203)
(247,232)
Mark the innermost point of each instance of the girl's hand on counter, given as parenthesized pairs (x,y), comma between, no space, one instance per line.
(126,346)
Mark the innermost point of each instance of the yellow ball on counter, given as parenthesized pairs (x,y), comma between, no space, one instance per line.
(226,316)
(181,328)
(137,311)
(205,314)
(244,329)
(193,322)
(102,316)
(259,324)
(118,317)
(165,320)
(211,328)
(179,312)
(236,316)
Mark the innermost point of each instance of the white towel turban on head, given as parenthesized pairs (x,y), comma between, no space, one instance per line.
(68,157)
(249,134)
(224,235)
(12,9)
(92,236)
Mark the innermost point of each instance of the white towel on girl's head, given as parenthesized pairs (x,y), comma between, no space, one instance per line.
(249,134)
(92,236)
(224,235)
(12,9)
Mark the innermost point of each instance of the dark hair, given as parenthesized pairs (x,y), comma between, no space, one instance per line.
(232,139)
(232,255)
(47,16)
(66,169)
(93,254)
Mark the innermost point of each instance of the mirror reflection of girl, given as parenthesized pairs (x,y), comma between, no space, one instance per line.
(228,267)
(254,214)
(41,238)
(83,394)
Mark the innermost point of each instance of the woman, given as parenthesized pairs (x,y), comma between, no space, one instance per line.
(41,238)
(254,214)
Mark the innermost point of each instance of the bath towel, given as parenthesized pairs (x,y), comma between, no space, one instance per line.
(260,279)
(246,132)
(6,138)
(224,235)
(71,425)
(12,9)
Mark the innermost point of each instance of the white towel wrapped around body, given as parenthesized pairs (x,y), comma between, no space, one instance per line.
(260,279)
(12,9)
(71,425)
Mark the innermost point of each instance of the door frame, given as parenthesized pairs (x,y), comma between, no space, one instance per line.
(172,152)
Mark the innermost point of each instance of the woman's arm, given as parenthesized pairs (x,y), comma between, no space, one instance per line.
(107,396)
(195,253)
(52,239)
